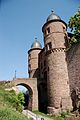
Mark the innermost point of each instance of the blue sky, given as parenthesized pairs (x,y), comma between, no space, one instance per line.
(20,22)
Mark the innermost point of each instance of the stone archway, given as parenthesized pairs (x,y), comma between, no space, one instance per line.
(28,96)
(31,85)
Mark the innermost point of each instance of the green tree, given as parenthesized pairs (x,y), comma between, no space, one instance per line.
(74,25)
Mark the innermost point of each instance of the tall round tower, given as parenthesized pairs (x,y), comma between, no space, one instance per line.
(33,59)
(54,31)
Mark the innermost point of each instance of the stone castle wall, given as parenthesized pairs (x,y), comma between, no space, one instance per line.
(73,58)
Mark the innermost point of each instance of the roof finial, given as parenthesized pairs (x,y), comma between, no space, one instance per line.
(52,11)
(35,38)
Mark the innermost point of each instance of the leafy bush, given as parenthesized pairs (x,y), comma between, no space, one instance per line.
(9,104)
(11,99)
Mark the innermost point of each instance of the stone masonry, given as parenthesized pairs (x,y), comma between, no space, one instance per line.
(57,74)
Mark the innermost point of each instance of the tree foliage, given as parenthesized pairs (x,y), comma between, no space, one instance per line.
(74,25)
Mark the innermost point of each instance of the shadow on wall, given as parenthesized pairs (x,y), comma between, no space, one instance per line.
(42,96)
(74,98)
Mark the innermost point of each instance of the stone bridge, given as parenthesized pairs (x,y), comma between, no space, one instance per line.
(31,85)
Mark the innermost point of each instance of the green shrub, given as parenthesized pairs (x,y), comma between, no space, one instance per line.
(11,99)
(63,114)
(9,104)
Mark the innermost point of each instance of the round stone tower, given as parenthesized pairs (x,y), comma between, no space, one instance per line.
(33,59)
(54,31)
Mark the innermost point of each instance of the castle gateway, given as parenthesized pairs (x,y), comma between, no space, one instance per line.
(54,70)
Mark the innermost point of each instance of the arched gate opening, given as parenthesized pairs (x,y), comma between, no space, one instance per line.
(28,96)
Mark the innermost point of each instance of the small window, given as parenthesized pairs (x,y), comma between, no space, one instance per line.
(64,29)
(29,67)
(48,30)
(29,57)
(45,32)
(49,45)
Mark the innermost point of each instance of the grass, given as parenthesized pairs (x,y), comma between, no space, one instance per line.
(7,109)
(10,114)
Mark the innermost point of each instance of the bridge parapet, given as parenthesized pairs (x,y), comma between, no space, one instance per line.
(31,85)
